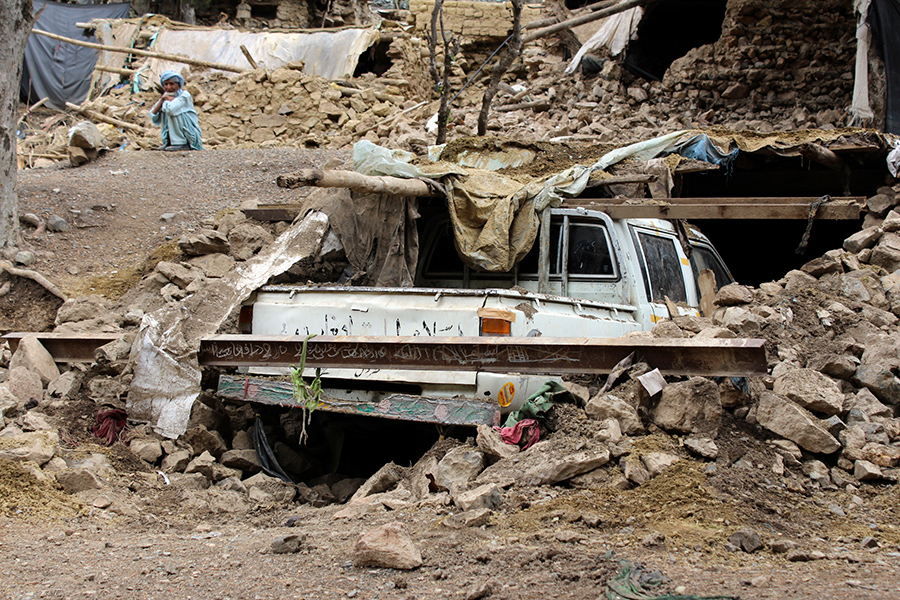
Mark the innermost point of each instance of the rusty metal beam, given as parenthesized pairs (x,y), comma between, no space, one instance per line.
(65,347)
(442,411)
(710,357)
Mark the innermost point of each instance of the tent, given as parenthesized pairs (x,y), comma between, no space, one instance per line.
(57,70)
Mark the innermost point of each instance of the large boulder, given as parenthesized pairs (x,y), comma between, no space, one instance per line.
(811,390)
(607,406)
(387,546)
(32,355)
(458,467)
(781,416)
(205,241)
(691,406)
(37,447)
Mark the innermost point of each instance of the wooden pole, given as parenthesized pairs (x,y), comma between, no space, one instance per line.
(593,16)
(101,117)
(136,52)
(580,11)
(249,57)
(118,70)
(542,104)
(356,182)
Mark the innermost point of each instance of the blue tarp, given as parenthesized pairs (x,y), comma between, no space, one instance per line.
(58,70)
(700,148)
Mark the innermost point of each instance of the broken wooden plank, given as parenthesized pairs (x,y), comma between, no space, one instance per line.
(98,116)
(716,357)
(542,104)
(443,411)
(65,347)
(357,182)
(834,212)
(620,179)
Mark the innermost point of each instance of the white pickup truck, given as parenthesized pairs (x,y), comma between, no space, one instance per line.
(589,276)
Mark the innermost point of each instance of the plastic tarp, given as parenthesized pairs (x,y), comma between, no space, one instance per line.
(163,357)
(328,54)
(884,17)
(494,217)
(614,33)
(58,70)
(700,147)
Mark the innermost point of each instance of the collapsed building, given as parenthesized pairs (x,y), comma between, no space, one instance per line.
(825,414)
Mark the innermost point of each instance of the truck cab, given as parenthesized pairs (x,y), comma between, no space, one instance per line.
(586,275)
(634,264)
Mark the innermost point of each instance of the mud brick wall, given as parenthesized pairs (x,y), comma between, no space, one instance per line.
(772,54)
(293,13)
(471,19)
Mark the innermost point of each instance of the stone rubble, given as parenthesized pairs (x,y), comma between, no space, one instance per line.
(766,72)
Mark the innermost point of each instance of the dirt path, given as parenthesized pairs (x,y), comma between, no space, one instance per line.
(127,204)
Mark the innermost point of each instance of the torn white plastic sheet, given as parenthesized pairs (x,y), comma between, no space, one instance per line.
(640,151)
(860,109)
(166,378)
(614,33)
(328,54)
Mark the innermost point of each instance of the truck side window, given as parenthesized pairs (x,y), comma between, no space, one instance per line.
(443,261)
(663,268)
(528,266)
(704,258)
(589,252)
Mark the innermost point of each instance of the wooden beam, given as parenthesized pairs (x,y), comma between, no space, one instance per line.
(617,180)
(859,201)
(98,116)
(720,211)
(357,182)
(578,11)
(116,70)
(170,57)
(542,104)
(593,16)
(709,357)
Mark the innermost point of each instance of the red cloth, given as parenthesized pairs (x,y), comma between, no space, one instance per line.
(524,434)
(110,424)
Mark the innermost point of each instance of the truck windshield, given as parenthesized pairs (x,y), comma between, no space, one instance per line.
(662,268)
(705,258)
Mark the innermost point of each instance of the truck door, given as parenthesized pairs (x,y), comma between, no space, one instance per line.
(666,272)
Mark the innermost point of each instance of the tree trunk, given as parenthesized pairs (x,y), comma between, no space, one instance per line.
(16,17)
(513,49)
(441,79)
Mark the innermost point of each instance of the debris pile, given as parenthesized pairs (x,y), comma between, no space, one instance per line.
(822,426)
(773,68)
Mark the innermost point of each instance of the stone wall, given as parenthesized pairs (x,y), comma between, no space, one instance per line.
(473,20)
(772,54)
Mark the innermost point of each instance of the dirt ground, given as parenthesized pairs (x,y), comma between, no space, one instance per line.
(141,538)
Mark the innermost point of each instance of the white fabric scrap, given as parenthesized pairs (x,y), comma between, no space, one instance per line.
(860,110)
(893,159)
(328,54)
(639,151)
(615,32)
(166,378)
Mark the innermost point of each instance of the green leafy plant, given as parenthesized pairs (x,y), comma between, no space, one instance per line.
(307,394)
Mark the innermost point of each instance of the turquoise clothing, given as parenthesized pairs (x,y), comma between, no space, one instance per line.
(178,122)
